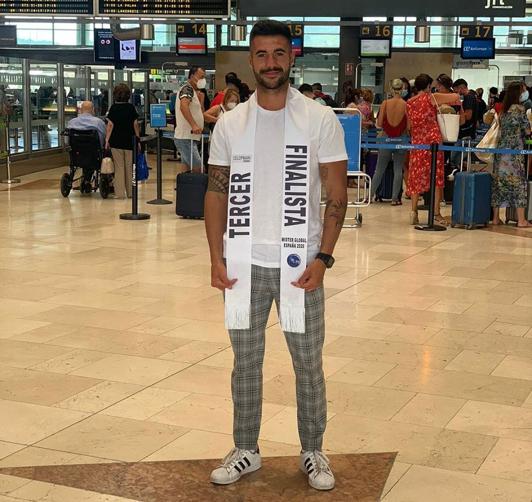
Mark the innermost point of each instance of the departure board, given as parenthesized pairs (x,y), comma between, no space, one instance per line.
(46,7)
(164,8)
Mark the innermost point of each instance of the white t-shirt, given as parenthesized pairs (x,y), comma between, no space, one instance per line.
(327,145)
(182,126)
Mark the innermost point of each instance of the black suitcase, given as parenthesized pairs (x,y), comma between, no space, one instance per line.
(190,192)
(385,189)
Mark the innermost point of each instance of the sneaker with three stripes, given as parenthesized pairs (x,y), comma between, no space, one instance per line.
(316,466)
(237,463)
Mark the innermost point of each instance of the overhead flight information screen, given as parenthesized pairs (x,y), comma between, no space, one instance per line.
(166,8)
(46,7)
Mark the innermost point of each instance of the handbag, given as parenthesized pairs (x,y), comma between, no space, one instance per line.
(490,140)
(107,166)
(142,167)
(449,124)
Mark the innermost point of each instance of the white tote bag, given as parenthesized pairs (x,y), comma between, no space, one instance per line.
(449,124)
(490,140)
(108,166)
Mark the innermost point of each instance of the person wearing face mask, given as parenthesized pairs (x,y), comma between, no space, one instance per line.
(230,101)
(406,91)
(189,119)
(524,97)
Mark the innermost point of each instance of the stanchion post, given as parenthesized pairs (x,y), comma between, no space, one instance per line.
(433,169)
(9,180)
(159,200)
(134,215)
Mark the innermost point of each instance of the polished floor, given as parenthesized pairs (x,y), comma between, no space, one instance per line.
(113,350)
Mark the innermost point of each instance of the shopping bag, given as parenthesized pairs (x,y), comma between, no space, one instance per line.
(142,167)
(107,166)
(490,140)
(449,124)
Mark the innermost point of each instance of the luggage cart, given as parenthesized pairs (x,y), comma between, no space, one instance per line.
(359,193)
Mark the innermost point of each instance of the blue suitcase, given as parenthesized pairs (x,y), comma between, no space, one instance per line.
(471,199)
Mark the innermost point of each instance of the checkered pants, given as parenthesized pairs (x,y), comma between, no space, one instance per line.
(305,349)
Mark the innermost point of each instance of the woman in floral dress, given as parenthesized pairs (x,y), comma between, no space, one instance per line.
(509,185)
(421,111)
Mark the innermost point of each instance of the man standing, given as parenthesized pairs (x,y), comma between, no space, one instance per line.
(189,118)
(264,193)
(468,130)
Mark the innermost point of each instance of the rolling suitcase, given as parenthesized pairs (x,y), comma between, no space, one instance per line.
(191,189)
(385,190)
(371,162)
(471,199)
(511,212)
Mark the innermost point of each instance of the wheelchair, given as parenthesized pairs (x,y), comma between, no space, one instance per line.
(86,154)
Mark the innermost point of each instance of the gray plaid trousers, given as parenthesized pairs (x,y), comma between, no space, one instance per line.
(305,349)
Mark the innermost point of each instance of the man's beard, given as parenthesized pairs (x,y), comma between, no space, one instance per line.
(272,85)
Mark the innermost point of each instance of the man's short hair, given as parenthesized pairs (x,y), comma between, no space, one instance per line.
(305,88)
(270,28)
(317,86)
(230,77)
(459,82)
(193,70)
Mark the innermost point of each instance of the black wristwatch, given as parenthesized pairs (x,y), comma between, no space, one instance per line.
(325,258)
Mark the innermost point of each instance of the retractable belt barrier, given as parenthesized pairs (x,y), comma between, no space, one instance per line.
(376,143)
(393,144)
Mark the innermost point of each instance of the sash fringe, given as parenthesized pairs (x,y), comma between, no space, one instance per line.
(292,319)
(237,318)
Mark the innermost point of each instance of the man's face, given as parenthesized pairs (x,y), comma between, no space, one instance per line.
(271,59)
(200,73)
(462,90)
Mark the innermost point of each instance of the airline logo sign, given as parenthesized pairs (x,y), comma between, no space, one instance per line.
(497,4)
(388,8)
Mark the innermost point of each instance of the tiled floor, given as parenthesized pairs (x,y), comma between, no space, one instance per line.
(112,348)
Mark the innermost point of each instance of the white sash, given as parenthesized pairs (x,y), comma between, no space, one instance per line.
(294,225)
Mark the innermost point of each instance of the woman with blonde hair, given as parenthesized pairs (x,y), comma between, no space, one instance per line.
(394,124)
(231,100)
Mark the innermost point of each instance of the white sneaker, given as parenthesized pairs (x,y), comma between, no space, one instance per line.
(316,466)
(237,463)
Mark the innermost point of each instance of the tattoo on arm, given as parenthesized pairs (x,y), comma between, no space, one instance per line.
(218,179)
(335,210)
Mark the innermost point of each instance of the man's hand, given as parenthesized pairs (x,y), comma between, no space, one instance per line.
(312,277)
(196,129)
(219,277)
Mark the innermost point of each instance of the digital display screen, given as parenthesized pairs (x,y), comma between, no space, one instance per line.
(127,51)
(297,46)
(191,45)
(167,8)
(375,48)
(478,48)
(191,38)
(35,7)
(104,46)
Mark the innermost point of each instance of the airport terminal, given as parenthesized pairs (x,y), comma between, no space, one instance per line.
(265,251)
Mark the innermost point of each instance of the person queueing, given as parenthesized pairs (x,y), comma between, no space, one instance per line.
(393,121)
(421,111)
(230,101)
(189,119)
(509,183)
(122,125)
(264,194)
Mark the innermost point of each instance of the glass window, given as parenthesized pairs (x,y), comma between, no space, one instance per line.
(100,91)
(12,104)
(44,123)
(75,90)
